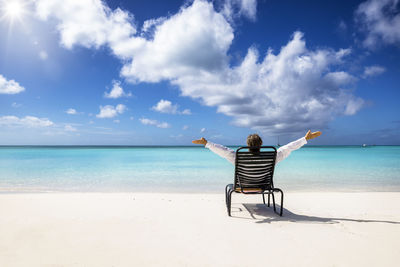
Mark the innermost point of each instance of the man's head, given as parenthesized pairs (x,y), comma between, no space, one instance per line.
(254,140)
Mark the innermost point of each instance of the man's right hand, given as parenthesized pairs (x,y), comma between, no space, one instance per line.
(201,141)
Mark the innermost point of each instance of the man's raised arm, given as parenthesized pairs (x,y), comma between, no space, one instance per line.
(220,150)
(284,151)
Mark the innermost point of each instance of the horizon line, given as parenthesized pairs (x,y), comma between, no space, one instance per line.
(175,145)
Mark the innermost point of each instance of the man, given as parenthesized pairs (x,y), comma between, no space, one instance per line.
(254,140)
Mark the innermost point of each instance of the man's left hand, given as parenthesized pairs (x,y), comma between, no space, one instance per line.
(310,135)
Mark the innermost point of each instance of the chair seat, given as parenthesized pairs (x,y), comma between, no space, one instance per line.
(246,190)
(249,190)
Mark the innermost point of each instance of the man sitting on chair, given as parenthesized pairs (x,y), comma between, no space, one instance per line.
(254,140)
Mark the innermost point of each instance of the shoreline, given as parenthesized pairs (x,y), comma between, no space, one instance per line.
(169,229)
(185,191)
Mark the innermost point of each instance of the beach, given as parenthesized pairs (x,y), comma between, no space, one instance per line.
(170,229)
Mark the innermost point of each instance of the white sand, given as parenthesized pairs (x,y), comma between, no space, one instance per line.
(143,229)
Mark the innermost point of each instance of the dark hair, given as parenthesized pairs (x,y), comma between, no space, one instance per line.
(254,140)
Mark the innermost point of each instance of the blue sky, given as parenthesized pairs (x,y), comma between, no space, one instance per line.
(93,72)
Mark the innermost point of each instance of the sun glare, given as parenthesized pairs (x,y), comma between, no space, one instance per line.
(13,9)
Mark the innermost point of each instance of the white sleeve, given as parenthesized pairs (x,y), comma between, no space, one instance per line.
(222,151)
(284,151)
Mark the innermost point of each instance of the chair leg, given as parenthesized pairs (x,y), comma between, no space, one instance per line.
(268,198)
(226,195)
(273,200)
(227,189)
(263,198)
(279,190)
(229,201)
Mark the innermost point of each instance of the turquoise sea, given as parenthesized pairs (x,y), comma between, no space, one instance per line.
(191,169)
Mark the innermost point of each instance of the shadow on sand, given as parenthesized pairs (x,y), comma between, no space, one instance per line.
(267,215)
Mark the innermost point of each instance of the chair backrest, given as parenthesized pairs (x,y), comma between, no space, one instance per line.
(254,170)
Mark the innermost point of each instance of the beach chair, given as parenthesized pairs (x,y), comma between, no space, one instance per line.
(254,172)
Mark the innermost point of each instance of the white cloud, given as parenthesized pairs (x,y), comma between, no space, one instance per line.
(70,128)
(149,25)
(116,121)
(117,91)
(9,87)
(120,108)
(203,130)
(89,23)
(109,111)
(165,106)
(43,55)
(186,112)
(195,39)
(236,8)
(185,127)
(285,91)
(27,121)
(163,125)
(248,8)
(340,78)
(353,106)
(154,123)
(373,71)
(380,20)
(71,111)
(131,118)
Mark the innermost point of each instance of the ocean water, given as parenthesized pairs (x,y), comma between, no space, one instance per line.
(191,169)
